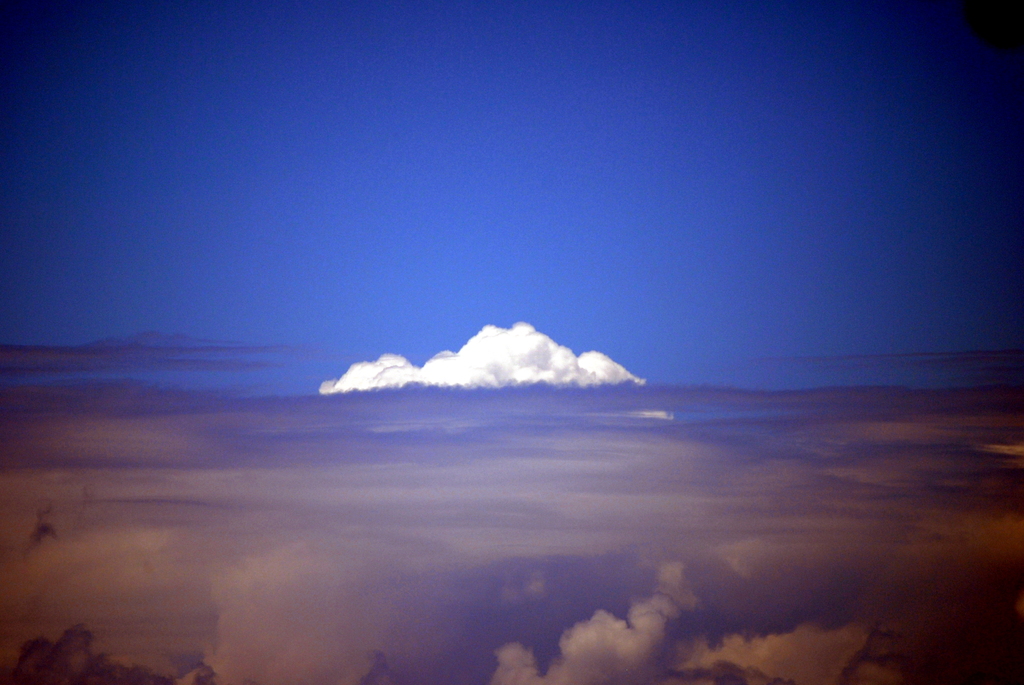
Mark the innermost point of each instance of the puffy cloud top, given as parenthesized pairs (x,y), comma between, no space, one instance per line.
(493,358)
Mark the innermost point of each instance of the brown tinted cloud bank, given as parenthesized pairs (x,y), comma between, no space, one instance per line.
(624,535)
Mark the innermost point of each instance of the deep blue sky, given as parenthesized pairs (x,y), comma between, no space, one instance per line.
(682,186)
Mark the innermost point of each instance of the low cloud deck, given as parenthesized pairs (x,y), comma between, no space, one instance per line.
(816,537)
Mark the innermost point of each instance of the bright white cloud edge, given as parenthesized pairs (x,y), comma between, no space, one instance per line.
(493,358)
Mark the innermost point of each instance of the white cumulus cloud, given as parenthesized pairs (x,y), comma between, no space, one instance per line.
(606,650)
(493,358)
(603,649)
(809,655)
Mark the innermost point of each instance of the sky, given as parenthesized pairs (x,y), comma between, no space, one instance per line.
(414,343)
(685,188)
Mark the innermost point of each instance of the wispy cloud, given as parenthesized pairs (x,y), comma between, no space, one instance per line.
(969,368)
(493,358)
(143,352)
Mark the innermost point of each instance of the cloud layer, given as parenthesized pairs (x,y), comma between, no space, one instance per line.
(493,358)
(538,537)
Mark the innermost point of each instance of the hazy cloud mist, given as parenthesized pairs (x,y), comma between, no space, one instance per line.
(532,535)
